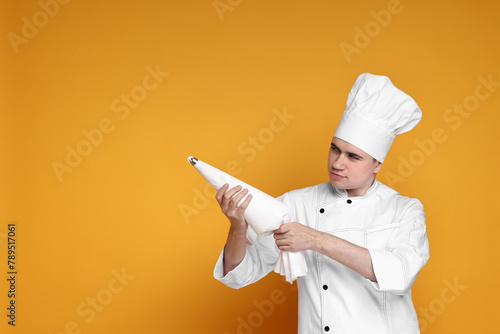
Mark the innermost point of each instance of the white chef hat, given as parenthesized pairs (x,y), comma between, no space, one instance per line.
(376,111)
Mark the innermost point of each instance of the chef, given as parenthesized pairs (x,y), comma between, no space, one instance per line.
(364,243)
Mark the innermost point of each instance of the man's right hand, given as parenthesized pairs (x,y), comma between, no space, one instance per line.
(228,201)
(235,249)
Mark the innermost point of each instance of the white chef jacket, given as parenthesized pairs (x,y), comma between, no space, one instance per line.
(332,297)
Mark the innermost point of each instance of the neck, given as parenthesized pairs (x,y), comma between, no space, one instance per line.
(360,191)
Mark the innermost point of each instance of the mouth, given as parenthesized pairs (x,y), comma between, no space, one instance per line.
(336,176)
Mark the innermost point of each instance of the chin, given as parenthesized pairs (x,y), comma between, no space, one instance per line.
(337,184)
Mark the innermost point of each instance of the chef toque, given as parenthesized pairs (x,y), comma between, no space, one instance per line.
(376,112)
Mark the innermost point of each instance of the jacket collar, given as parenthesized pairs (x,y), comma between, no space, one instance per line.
(343,193)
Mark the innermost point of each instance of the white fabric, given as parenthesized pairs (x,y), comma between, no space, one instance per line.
(291,265)
(376,111)
(264,215)
(390,226)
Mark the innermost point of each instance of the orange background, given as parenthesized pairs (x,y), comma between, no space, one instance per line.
(119,210)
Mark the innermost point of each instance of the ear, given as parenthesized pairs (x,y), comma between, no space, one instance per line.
(378,167)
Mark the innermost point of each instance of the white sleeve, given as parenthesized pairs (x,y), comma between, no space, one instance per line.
(260,259)
(396,267)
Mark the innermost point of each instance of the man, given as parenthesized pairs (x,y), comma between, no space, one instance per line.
(363,242)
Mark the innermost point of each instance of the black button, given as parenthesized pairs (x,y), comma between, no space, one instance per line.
(325,287)
(327,328)
(321,210)
(349,201)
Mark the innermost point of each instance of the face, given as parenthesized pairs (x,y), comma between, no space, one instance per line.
(350,168)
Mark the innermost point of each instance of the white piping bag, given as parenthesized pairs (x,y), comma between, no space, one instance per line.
(264,214)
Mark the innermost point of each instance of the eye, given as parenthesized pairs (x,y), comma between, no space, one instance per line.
(335,148)
(354,157)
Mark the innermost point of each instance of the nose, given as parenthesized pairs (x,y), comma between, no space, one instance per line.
(338,163)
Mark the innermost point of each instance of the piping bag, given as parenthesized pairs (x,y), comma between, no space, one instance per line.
(264,214)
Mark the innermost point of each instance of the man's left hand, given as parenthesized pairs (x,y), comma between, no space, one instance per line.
(295,237)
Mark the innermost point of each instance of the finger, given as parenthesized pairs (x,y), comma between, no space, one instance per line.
(222,190)
(246,202)
(281,236)
(281,244)
(226,198)
(286,248)
(282,229)
(237,198)
(231,192)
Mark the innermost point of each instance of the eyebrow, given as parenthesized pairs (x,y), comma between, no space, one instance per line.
(349,153)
